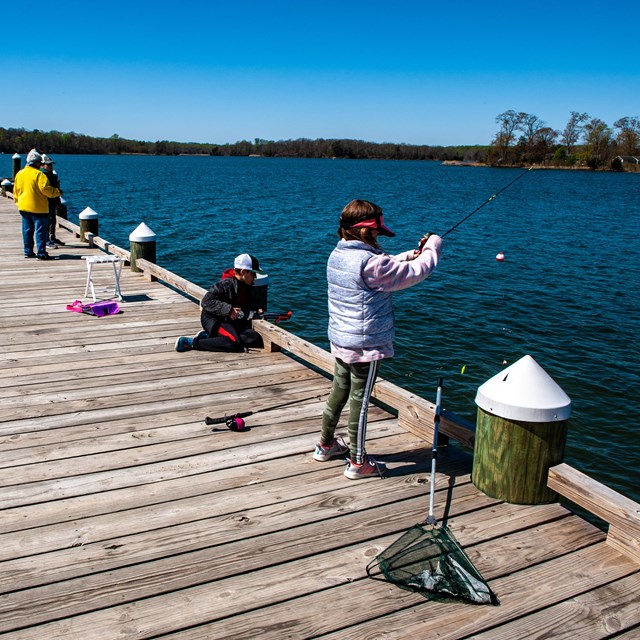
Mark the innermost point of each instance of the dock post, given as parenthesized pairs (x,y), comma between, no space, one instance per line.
(88,224)
(142,245)
(61,210)
(17,162)
(521,432)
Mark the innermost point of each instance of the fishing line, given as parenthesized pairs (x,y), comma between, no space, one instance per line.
(495,195)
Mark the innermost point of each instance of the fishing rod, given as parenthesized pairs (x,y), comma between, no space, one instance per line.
(278,316)
(235,421)
(495,195)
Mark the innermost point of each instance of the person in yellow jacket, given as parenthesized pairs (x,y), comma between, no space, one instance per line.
(31,193)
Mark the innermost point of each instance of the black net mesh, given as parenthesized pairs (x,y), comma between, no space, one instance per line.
(430,561)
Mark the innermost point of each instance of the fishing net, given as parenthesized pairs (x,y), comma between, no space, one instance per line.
(429,561)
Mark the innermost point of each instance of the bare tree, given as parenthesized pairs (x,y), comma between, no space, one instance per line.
(547,136)
(571,134)
(529,125)
(544,140)
(628,136)
(509,122)
(597,138)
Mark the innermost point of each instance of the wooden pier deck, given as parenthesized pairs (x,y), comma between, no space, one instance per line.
(123,516)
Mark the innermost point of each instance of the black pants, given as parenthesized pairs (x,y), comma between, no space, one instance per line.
(233,337)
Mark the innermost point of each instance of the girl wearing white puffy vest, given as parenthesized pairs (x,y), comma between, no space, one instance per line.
(361,279)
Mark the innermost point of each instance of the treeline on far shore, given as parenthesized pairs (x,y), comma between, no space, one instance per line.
(522,140)
(51,142)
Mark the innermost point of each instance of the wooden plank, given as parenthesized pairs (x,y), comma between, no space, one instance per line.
(189,465)
(307,400)
(624,541)
(93,430)
(242,550)
(81,411)
(619,511)
(380,606)
(153,270)
(46,512)
(351,599)
(97,377)
(594,615)
(62,361)
(93,529)
(74,399)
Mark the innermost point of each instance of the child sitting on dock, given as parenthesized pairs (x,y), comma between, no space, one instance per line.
(361,278)
(225,312)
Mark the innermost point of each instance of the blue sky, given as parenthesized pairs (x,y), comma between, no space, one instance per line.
(395,71)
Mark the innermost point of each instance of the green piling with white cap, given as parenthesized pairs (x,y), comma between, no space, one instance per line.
(88,224)
(142,245)
(521,431)
(16,164)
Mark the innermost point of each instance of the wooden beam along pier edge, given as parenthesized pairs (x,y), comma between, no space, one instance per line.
(415,414)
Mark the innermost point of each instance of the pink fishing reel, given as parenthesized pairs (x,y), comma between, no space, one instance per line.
(236,424)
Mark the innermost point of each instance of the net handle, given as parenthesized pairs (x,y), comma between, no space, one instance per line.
(431,519)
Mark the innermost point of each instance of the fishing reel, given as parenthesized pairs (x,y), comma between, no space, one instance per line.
(235,424)
(421,244)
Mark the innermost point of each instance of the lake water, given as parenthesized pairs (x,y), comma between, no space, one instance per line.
(567,292)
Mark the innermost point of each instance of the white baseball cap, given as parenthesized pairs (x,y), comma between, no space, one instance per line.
(247,262)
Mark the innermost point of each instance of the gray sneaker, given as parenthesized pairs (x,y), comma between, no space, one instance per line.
(335,449)
(368,469)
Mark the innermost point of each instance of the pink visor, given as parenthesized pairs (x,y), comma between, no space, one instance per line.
(375,223)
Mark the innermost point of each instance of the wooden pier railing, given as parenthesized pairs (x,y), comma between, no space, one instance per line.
(415,414)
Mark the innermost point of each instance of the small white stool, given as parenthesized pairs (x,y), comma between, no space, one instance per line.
(115,261)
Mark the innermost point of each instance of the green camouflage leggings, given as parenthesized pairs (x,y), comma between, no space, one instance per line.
(353,382)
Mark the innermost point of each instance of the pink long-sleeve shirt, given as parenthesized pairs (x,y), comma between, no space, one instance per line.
(392,273)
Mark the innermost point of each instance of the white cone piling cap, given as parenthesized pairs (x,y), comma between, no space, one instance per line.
(88,214)
(142,233)
(524,391)
(16,155)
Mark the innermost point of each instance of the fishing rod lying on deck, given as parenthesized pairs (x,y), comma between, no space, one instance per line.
(235,421)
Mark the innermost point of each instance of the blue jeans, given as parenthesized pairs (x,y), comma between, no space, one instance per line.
(35,224)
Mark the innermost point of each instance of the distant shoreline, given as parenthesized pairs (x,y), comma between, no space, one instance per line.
(541,167)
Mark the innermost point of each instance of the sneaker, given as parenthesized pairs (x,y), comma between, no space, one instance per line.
(201,335)
(335,449)
(368,469)
(184,344)
(29,255)
(51,245)
(45,256)
(59,242)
